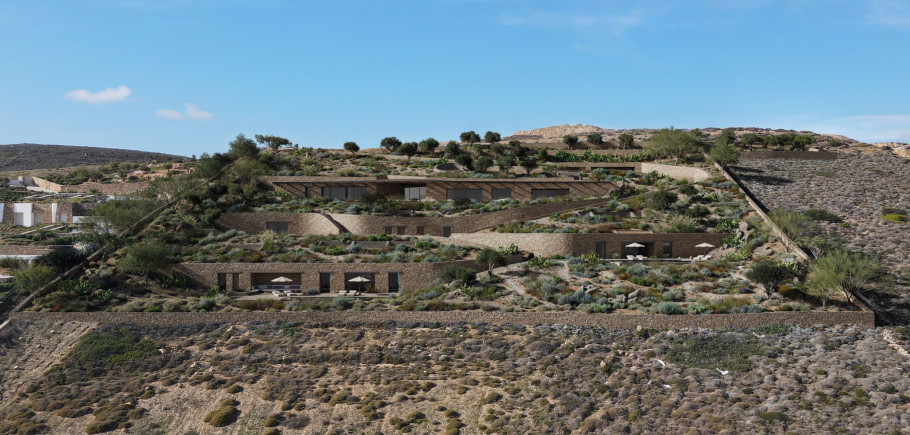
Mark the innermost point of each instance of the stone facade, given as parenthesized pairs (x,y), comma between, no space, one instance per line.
(437,188)
(682,245)
(115,189)
(315,223)
(865,319)
(809,155)
(25,249)
(242,276)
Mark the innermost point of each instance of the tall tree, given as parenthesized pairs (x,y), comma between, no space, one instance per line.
(626,140)
(243,147)
(595,139)
(529,164)
(491,137)
(428,145)
(724,153)
(470,137)
(390,143)
(482,163)
(452,150)
(408,149)
(505,163)
(570,140)
(272,142)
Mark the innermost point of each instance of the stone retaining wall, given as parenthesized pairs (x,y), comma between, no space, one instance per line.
(315,223)
(242,276)
(808,155)
(610,321)
(694,175)
(116,189)
(25,249)
(549,244)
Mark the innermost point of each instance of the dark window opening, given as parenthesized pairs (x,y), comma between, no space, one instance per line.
(501,193)
(601,249)
(325,282)
(343,193)
(394,286)
(222,281)
(421,231)
(548,193)
(278,227)
(446,231)
(472,194)
(668,249)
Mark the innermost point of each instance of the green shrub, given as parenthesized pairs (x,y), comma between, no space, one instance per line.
(727,351)
(224,415)
(457,273)
(822,215)
(896,218)
(669,308)
(95,347)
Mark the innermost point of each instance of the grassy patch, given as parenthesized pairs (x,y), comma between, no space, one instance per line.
(729,352)
(114,349)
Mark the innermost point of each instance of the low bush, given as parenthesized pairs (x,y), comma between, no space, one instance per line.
(224,415)
(726,351)
(669,308)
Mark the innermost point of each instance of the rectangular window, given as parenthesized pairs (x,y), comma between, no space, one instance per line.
(421,231)
(415,193)
(307,193)
(389,230)
(393,282)
(325,282)
(222,281)
(278,227)
(668,249)
(502,193)
(472,194)
(343,193)
(548,193)
(601,249)
(446,231)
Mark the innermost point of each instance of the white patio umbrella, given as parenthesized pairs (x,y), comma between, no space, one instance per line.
(704,245)
(282,279)
(635,245)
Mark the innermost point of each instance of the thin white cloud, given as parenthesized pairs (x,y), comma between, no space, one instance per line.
(615,23)
(894,13)
(108,95)
(191,112)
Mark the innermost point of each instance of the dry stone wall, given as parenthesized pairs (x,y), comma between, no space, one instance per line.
(549,244)
(370,318)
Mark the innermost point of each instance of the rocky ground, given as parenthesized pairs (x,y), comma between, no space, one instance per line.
(855,187)
(461,379)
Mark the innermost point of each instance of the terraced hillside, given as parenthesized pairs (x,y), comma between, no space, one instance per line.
(856,187)
(24,157)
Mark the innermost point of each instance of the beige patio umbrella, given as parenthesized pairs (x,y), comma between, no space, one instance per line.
(282,279)
(704,245)
(360,280)
(635,245)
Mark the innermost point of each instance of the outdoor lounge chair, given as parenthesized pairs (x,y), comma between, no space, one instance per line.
(640,257)
(630,257)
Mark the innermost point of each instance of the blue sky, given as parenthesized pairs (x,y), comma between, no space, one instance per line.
(185,77)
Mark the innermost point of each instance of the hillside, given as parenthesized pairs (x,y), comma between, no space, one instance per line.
(24,157)
(554,134)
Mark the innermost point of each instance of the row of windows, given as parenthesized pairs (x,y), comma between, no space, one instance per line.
(501,193)
(343,193)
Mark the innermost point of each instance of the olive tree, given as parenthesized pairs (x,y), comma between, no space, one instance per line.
(408,148)
(351,147)
(390,143)
(492,137)
(145,258)
(272,142)
(672,143)
(769,275)
(595,138)
(570,140)
(470,137)
(626,140)
(724,153)
(428,145)
(844,271)
(492,258)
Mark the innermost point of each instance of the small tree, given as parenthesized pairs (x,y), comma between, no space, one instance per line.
(31,278)
(769,275)
(428,145)
(491,137)
(351,147)
(802,141)
(408,148)
(390,143)
(452,150)
(661,199)
(61,258)
(626,140)
(505,163)
(272,142)
(492,258)
(844,271)
(727,136)
(465,160)
(750,139)
(529,164)
(570,140)
(724,153)
(243,147)
(470,137)
(595,139)
(145,258)
(672,143)
(482,163)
